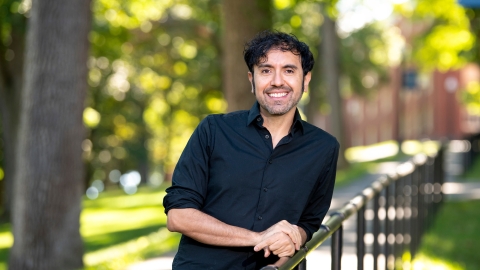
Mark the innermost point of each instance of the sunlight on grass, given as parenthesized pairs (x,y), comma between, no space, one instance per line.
(423,262)
(103,221)
(413,147)
(371,152)
(119,256)
(120,229)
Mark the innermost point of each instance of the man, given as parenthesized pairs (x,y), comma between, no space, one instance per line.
(252,186)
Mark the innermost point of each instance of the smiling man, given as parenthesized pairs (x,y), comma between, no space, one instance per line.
(252,186)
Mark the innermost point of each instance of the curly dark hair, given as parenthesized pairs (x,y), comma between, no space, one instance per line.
(256,50)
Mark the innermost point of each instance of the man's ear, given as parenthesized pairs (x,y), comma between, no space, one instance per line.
(306,81)
(250,78)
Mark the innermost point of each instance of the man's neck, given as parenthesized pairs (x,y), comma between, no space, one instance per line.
(278,125)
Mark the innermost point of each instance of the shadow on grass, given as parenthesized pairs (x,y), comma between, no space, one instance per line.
(357,170)
(473,172)
(453,238)
(97,242)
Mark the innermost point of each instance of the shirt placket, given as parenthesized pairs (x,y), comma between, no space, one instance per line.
(267,176)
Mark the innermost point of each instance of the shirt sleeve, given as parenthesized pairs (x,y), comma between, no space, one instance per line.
(321,197)
(190,177)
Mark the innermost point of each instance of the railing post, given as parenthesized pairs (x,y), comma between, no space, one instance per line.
(388,228)
(414,220)
(302,265)
(336,249)
(376,230)
(398,220)
(407,212)
(360,237)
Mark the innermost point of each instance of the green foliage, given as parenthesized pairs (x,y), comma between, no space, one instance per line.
(364,60)
(12,16)
(363,53)
(446,36)
(154,73)
(452,242)
(471,97)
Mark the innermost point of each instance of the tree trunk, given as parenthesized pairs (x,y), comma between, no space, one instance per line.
(331,75)
(242,21)
(11,75)
(49,185)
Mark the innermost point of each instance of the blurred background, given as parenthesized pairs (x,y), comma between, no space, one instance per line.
(390,77)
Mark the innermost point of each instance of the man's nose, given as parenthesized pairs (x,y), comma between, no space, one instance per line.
(277,79)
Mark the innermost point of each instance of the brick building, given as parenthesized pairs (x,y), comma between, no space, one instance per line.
(411,107)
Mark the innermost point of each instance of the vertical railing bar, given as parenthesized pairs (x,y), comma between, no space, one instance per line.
(397,221)
(407,191)
(415,207)
(302,265)
(376,230)
(415,192)
(336,248)
(360,237)
(387,225)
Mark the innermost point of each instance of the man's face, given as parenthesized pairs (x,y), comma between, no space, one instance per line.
(278,82)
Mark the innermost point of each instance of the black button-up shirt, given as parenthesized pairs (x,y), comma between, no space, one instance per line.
(230,170)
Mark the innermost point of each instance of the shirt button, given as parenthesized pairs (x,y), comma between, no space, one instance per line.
(260,217)
(259,119)
(270,161)
(266,136)
(265,189)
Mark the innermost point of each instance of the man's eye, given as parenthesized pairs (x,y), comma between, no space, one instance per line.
(289,71)
(265,71)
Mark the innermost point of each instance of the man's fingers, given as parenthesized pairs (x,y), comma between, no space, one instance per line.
(292,231)
(266,252)
(286,254)
(264,244)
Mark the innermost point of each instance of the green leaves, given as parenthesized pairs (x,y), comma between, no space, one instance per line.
(441,31)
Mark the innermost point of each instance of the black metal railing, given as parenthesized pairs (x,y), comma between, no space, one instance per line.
(401,206)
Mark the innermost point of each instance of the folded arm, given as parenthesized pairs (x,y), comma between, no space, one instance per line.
(281,239)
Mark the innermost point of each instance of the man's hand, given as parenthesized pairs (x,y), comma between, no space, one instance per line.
(278,243)
(282,239)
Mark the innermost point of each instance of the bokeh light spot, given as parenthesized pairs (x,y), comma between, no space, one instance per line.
(91,117)
(114,176)
(92,193)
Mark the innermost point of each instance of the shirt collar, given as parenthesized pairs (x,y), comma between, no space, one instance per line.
(254,115)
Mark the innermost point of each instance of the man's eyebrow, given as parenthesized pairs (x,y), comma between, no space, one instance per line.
(269,66)
(290,66)
(264,65)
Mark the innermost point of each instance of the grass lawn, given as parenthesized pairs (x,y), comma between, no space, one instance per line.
(358,169)
(473,173)
(118,229)
(453,241)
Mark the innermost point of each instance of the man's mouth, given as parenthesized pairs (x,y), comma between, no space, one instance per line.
(277,95)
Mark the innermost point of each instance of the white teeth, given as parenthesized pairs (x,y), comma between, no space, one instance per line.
(277,95)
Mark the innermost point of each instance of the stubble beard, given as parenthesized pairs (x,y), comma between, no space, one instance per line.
(277,108)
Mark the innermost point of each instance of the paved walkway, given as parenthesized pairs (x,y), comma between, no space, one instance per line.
(320,258)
